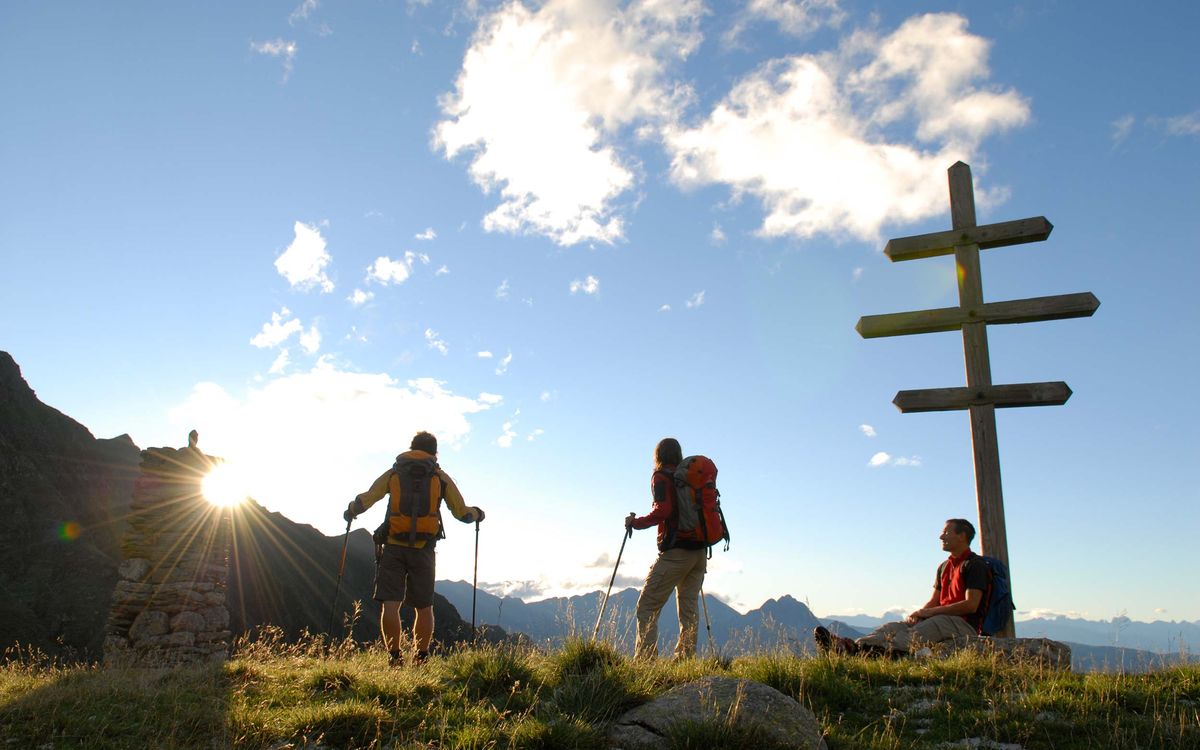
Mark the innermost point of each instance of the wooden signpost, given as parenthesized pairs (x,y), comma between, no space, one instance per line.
(980,397)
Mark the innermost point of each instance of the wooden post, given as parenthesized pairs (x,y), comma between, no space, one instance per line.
(989,497)
(980,398)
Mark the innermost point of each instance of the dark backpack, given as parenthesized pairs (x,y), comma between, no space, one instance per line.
(698,503)
(997,599)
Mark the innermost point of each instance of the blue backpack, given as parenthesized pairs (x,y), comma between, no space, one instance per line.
(997,599)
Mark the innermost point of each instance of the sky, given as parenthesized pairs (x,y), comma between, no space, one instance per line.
(553,233)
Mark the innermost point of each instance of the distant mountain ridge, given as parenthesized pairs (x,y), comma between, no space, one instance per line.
(788,623)
(778,622)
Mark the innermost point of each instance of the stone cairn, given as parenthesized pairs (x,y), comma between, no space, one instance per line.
(168,608)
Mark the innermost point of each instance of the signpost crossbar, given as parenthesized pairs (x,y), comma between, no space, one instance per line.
(986,237)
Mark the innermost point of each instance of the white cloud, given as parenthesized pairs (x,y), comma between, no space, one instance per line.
(428,234)
(867,430)
(886,459)
(796,17)
(280,364)
(546,396)
(1122,127)
(1160,610)
(537,433)
(717,236)
(818,140)
(503,366)
(442,271)
(590,285)
(285,49)
(303,262)
(502,290)
(1188,124)
(275,332)
(484,355)
(491,399)
(359,297)
(856,274)
(328,418)
(435,341)
(665,308)
(1050,614)
(387,271)
(310,340)
(696,300)
(302,11)
(507,434)
(541,96)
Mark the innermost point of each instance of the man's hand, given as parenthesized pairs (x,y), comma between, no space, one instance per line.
(352,510)
(629,519)
(478,512)
(920,614)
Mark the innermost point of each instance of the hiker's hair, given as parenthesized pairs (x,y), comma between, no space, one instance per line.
(962,526)
(667,453)
(424,441)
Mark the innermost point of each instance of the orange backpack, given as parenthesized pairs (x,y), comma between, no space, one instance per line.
(698,502)
(415,492)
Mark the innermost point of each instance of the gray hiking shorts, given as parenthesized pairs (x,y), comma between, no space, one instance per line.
(405,574)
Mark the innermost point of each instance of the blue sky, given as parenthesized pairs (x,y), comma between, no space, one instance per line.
(554,233)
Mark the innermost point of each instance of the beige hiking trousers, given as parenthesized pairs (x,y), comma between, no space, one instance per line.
(682,571)
(901,636)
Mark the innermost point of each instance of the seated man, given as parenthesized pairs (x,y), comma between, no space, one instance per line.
(951,611)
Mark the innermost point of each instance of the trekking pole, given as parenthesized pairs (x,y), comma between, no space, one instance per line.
(707,622)
(475,582)
(599,617)
(341,569)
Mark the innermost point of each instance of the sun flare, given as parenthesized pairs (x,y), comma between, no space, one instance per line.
(225,486)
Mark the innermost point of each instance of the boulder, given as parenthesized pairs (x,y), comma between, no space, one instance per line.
(1044,651)
(190,622)
(723,699)
(149,623)
(215,618)
(134,569)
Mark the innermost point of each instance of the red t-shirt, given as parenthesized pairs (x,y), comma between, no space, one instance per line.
(955,576)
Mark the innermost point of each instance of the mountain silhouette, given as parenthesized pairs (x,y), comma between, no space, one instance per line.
(64,495)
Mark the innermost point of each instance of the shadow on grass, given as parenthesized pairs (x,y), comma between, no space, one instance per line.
(83,706)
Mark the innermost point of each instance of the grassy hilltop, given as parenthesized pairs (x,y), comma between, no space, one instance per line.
(277,695)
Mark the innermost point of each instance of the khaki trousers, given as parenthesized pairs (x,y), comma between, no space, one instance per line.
(901,636)
(682,571)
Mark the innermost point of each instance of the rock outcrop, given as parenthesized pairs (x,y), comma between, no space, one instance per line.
(1041,651)
(780,720)
(169,606)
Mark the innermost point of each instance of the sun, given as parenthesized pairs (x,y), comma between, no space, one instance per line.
(225,486)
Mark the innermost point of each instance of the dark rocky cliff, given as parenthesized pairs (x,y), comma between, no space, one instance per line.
(63,495)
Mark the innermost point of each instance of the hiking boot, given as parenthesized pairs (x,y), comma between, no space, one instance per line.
(420,658)
(828,643)
(395,659)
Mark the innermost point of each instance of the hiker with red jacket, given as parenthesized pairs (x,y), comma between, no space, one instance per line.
(404,572)
(680,566)
(954,609)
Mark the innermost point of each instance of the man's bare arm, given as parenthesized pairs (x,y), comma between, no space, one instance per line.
(967,606)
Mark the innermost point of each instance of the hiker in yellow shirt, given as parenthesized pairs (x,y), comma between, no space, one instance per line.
(405,571)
